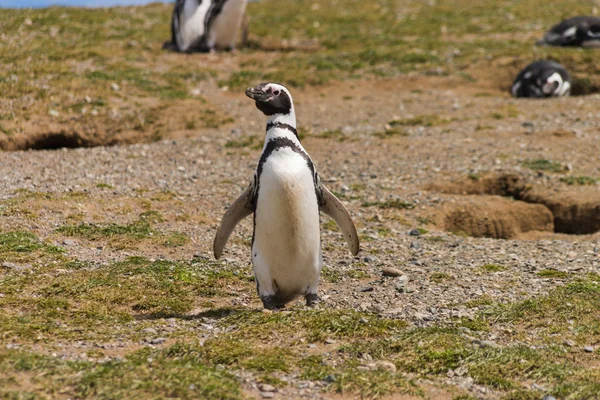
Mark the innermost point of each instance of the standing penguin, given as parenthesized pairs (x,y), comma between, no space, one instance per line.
(576,31)
(542,79)
(203,25)
(285,196)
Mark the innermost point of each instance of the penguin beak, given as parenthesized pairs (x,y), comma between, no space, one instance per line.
(257,94)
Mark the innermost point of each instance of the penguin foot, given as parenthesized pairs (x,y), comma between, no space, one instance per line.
(270,303)
(170,46)
(312,299)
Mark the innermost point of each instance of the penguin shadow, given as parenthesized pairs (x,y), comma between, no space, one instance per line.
(215,313)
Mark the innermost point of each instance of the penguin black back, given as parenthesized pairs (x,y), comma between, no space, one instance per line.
(576,31)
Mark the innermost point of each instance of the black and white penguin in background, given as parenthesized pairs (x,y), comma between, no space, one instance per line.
(542,79)
(576,31)
(204,25)
(285,196)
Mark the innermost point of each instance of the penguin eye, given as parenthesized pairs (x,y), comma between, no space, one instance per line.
(276,92)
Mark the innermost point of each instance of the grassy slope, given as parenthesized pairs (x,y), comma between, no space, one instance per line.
(53,58)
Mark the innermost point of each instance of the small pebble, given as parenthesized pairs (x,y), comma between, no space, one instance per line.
(267,395)
(588,349)
(157,340)
(329,341)
(68,242)
(414,232)
(265,387)
(569,343)
(390,271)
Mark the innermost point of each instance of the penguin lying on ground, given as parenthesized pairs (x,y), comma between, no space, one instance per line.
(285,196)
(542,79)
(576,31)
(204,25)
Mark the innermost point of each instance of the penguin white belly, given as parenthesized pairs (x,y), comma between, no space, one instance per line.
(224,30)
(287,246)
(192,23)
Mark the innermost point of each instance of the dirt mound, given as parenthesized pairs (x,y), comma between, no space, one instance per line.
(494,217)
(49,135)
(507,185)
(575,211)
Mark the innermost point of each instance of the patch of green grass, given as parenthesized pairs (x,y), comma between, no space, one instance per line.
(482,301)
(177,239)
(125,236)
(553,274)
(316,325)
(544,165)
(244,141)
(213,119)
(142,374)
(579,180)
(393,203)
(19,242)
(241,80)
(330,274)
(102,185)
(573,308)
(424,221)
(439,277)
(420,120)
(371,384)
(151,216)
(95,301)
(358,274)
(331,134)
(24,246)
(492,268)
(435,239)
(392,131)
(137,230)
(330,225)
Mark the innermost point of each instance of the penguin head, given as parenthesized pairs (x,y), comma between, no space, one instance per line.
(551,83)
(271,98)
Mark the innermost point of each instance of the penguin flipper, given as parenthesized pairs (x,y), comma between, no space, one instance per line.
(333,207)
(237,211)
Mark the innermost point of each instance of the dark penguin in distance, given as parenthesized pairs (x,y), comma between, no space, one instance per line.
(576,31)
(285,197)
(204,25)
(542,79)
